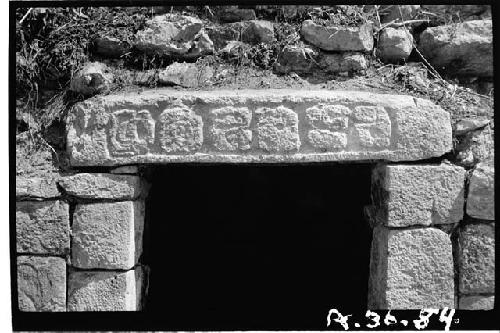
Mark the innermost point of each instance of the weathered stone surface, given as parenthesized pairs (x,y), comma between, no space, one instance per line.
(41,284)
(186,75)
(411,269)
(42,227)
(476,303)
(394,45)
(105,291)
(103,186)
(343,62)
(93,78)
(165,125)
(460,49)
(477,259)
(34,187)
(481,196)
(174,35)
(467,125)
(107,235)
(338,38)
(477,147)
(418,194)
(231,128)
(111,47)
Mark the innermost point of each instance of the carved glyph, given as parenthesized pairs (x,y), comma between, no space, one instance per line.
(277,129)
(180,130)
(231,128)
(372,126)
(132,132)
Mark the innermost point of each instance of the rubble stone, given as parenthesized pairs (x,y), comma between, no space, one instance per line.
(476,303)
(394,44)
(481,196)
(93,78)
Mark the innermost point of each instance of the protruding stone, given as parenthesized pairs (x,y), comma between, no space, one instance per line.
(42,227)
(93,78)
(35,187)
(257,31)
(186,75)
(476,303)
(298,59)
(41,284)
(394,45)
(411,269)
(409,195)
(481,196)
(477,147)
(107,235)
(167,125)
(468,125)
(338,38)
(103,186)
(343,62)
(106,291)
(174,35)
(460,48)
(477,259)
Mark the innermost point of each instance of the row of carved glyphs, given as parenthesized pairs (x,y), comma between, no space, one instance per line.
(180,130)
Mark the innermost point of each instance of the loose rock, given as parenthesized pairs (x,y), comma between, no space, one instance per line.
(460,49)
(93,78)
(298,59)
(256,31)
(343,62)
(394,45)
(186,75)
(468,125)
(111,47)
(338,38)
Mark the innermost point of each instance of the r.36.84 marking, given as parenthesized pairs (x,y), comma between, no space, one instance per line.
(445,316)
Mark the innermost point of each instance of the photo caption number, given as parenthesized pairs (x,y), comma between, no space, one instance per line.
(375,317)
(390,319)
(342,320)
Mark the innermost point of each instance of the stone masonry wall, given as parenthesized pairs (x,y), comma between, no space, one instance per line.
(79,240)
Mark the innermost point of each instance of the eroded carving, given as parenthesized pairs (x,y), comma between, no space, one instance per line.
(180,130)
(329,123)
(231,128)
(372,127)
(132,132)
(277,129)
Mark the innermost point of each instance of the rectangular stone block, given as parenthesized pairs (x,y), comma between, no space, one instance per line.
(406,195)
(261,126)
(106,291)
(103,186)
(107,235)
(476,303)
(33,188)
(41,284)
(481,196)
(411,269)
(477,259)
(42,227)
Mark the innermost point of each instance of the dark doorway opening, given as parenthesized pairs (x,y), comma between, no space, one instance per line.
(235,247)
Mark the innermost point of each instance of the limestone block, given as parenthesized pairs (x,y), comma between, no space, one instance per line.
(107,235)
(338,38)
(41,284)
(33,187)
(103,186)
(172,126)
(476,303)
(411,269)
(461,48)
(477,259)
(408,195)
(105,291)
(42,227)
(481,196)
